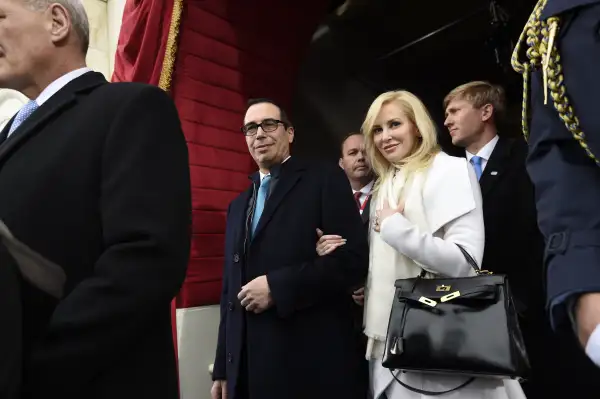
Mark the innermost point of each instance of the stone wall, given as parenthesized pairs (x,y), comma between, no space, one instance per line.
(105,24)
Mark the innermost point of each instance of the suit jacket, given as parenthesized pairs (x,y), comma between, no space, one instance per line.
(567,181)
(10,332)
(513,244)
(97,181)
(556,7)
(304,346)
(567,187)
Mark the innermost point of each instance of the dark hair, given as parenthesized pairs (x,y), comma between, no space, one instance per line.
(282,114)
(346,137)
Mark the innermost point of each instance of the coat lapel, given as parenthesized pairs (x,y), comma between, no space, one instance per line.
(239,213)
(496,166)
(64,98)
(289,175)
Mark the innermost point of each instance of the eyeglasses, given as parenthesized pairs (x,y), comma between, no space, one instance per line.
(268,125)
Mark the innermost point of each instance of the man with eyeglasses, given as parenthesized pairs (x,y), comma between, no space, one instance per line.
(286,313)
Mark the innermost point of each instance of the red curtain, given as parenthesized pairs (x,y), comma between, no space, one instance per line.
(142,41)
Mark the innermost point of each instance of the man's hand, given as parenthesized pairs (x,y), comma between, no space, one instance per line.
(256,295)
(359,296)
(587,313)
(385,213)
(328,243)
(219,390)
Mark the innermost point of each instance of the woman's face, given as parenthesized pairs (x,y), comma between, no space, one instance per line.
(394,135)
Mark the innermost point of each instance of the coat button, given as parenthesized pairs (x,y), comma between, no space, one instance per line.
(230,306)
(236,258)
(229,357)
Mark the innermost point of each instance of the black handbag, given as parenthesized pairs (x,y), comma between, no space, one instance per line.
(462,326)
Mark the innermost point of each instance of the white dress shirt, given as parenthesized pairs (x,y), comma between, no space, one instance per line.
(11,101)
(365,193)
(485,153)
(592,349)
(58,84)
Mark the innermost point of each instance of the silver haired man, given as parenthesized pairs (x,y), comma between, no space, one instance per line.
(94,177)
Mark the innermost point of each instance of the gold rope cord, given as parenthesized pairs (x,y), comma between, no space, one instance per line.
(539,35)
(168,66)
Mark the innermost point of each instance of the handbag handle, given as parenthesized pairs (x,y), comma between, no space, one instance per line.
(469,259)
(478,271)
(431,393)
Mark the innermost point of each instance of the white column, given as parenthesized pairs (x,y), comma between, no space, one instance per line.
(97,57)
(115,16)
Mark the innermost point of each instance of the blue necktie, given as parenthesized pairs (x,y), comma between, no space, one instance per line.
(260,201)
(476,162)
(22,115)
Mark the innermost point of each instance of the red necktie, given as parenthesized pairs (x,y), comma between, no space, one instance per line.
(357,196)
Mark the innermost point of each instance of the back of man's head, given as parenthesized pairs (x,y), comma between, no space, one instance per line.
(40,39)
(77,14)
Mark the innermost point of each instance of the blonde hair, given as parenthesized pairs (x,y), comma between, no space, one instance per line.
(414,109)
(480,93)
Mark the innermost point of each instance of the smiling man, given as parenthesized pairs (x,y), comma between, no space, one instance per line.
(286,313)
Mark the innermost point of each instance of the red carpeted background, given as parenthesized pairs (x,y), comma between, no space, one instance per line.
(228,51)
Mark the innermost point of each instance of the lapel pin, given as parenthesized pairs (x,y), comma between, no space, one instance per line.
(494,173)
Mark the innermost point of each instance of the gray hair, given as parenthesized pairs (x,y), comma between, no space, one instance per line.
(79,18)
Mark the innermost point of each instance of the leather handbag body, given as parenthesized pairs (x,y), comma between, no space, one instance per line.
(464,326)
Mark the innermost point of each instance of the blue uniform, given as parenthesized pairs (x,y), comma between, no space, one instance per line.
(564,145)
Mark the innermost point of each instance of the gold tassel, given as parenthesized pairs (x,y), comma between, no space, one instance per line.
(166,74)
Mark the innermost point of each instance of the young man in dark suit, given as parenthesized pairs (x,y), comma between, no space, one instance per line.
(95,178)
(513,243)
(286,326)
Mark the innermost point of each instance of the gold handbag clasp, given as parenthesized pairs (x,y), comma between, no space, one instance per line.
(427,301)
(451,296)
(443,288)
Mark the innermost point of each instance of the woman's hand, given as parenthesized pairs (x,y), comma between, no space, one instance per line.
(386,212)
(328,243)
(359,296)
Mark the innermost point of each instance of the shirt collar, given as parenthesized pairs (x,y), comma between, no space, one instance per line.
(366,189)
(262,175)
(486,151)
(58,84)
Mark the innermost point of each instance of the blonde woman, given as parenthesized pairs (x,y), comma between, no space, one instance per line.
(425,203)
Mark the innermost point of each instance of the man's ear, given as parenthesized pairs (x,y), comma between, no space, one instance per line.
(60,22)
(487,111)
(290,132)
(341,164)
